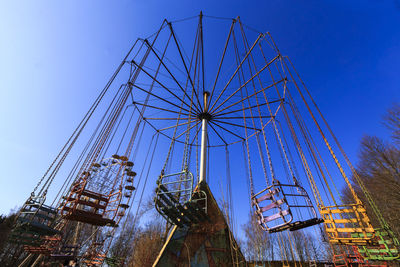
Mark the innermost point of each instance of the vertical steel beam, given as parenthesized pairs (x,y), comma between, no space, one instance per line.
(203,151)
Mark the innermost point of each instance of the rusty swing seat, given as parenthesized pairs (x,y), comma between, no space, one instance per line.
(95,208)
(340,260)
(88,207)
(181,214)
(343,260)
(273,209)
(349,256)
(66,252)
(48,245)
(42,249)
(95,260)
(169,204)
(94,256)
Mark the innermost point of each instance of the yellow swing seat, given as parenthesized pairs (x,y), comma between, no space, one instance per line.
(341,221)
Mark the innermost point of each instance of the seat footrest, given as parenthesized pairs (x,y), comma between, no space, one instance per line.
(89,217)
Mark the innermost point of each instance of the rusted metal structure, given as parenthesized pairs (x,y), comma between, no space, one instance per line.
(160,96)
(97,197)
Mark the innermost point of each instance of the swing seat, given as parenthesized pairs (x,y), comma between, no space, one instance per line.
(67,252)
(37,218)
(386,248)
(22,237)
(34,222)
(130,187)
(169,200)
(88,217)
(88,207)
(94,260)
(351,257)
(124,206)
(181,215)
(36,227)
(273,207)
(344,260)
(86,204)
(42,249)
(48,245)
(341,221)
(303,224)
(129,163)
(267,202)
(94,256)
(339,260)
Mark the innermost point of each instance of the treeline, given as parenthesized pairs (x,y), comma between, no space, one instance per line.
(301,245)
(9,253)
(379,170)
(138,245)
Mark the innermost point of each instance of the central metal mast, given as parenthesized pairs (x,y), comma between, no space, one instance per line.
(205,117)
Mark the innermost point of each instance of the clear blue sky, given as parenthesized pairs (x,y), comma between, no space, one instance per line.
(55,56)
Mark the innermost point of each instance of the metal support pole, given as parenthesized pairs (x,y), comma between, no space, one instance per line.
(203,151)
(38,259)
(26,260)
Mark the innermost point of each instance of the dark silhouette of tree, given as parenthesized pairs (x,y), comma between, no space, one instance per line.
(9,253)
(379,169)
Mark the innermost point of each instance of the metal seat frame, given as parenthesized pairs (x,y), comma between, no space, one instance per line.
(193,209)
(94,256)
(66,252)
(341,221)
(47,246)
(274,199)
(95,208)
(387,248)
(34,223)
(349,257)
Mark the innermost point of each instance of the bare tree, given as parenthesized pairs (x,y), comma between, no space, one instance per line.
(392,121)
(122,247)
(259,245)
(379,171)
(10,253)
(147,244)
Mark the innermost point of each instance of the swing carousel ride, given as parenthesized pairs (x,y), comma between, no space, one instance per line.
(180,99)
